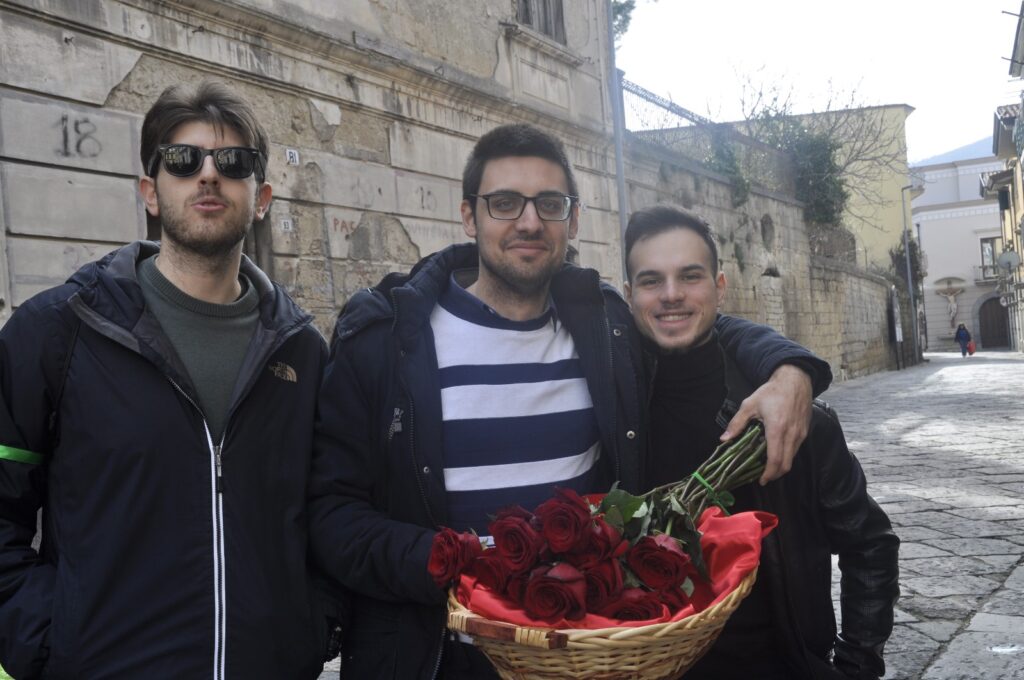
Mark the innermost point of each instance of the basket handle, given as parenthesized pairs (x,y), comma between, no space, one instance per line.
(471,624)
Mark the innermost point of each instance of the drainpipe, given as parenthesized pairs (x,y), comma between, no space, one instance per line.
(910,277)
(619,126)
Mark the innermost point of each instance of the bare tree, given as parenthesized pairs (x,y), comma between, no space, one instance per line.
(865,145)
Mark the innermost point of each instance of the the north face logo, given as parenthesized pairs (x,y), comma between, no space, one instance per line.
(283,371)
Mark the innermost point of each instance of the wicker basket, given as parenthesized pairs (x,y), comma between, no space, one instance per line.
(660,650)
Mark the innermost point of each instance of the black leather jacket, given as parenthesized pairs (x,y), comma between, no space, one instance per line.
(824,509)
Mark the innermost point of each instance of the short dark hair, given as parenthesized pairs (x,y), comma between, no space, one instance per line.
(210,102)
(657,219)
(517,139)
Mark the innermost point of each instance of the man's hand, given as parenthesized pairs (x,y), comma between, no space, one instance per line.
(783,404)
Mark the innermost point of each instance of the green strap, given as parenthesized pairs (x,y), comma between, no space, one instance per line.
(712,494)
(19,455)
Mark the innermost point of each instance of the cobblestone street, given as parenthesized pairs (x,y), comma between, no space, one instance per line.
(941,446)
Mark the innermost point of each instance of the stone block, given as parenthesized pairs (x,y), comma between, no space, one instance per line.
(60,133)
(321,177)
(340,223)
(430,197)
(428,151)
(430,236)
(52,59)
(40,264)
(297,229)
(543,79)
(43,201)
(350,276)
(596,191)
(382,238)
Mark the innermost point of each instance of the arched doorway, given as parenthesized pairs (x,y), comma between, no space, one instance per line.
(994,322)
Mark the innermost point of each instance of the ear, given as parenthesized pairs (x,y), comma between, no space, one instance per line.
(628,290)
(574,221)
(468,221)
(720,285)
(263,196)
(147,190)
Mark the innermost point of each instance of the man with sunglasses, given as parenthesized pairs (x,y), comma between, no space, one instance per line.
(159,407)
(491,374)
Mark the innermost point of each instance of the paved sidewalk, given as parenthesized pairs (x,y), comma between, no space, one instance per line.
(943,448)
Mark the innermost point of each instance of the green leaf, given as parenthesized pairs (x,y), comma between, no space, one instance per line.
(614,517)
(688,587)
(726,499)
(627,503)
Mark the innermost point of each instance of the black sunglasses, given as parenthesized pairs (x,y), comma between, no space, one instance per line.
(184,160)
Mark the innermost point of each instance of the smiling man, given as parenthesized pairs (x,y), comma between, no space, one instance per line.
(159,407)
(489,375)
(785,629)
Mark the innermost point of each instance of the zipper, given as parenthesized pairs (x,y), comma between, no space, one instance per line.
(217,513)
(415,471)
(611,371)
(440,652)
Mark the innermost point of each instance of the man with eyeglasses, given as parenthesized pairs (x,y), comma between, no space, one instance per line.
(489,375)
(159,407)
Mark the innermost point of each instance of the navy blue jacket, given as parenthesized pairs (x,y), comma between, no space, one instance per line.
(378,491)
(163,554)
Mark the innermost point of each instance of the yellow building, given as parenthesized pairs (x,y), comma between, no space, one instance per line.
(874,161)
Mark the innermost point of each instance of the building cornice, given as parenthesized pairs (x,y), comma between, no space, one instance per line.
(933,213)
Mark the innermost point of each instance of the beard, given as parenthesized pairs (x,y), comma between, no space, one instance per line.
(523,281)
(206,238)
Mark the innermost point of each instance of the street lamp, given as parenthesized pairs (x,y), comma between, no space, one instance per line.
(910,277)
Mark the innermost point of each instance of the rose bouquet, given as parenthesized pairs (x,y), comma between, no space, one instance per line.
(599,561)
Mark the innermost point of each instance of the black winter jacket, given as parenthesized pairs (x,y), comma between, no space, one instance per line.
(163,554)
(824,509)
(378,491)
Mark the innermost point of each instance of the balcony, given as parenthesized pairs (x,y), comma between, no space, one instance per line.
(988,274)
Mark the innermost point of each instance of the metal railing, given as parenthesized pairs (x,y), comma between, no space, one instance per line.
(655,120)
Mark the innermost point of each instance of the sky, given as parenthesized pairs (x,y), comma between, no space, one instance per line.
(944,58)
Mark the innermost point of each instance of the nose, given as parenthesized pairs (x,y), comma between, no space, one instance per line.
(671,291)
(529,222)
(208,171)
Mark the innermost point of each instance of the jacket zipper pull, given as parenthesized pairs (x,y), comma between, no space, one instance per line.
(216,456)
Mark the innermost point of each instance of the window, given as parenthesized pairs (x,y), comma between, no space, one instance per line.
(543,16)
(990,248)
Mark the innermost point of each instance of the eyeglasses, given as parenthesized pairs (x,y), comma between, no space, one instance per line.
(509,205)
(184,160)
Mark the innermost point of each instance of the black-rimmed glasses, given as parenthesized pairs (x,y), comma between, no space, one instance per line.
(184,160)
(509,205)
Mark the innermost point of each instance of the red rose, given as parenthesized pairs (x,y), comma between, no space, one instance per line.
(558,592)
(515,511)
(566,521)
(491,571)
(515,590)
(634,604)
(605,543)
(604,583)
(659,561)
(450,553)
(518,543)
(675,598)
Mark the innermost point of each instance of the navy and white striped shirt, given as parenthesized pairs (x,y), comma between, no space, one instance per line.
(518,419)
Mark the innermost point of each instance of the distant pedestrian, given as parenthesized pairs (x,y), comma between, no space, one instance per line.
(963,336)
